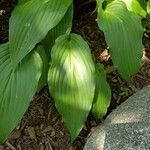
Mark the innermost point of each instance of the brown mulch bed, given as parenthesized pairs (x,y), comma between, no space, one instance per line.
(42,128)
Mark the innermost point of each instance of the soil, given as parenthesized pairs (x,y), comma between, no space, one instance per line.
(42,128)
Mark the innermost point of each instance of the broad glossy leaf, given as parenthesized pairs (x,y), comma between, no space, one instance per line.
(137,6)
(123,33)
(30,22)
(43,79)
(17,88)
(64,26)
(71,80)
(102,96)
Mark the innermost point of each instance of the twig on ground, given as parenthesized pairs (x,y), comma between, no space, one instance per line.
(10,146)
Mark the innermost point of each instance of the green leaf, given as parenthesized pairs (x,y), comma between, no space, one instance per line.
(102,96)
(137,6)
(101,2)
(64,26)
(123,33)
(71,80)
(23,1)
(148,7)
(17,88)
(30,23)
(43,79)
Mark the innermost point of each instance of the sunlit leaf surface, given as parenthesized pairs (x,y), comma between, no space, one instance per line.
(30,22)
(64,26)
(102,96)
(123,33)
(71,80)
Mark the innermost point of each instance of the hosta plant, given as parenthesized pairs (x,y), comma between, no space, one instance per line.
(42,50)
